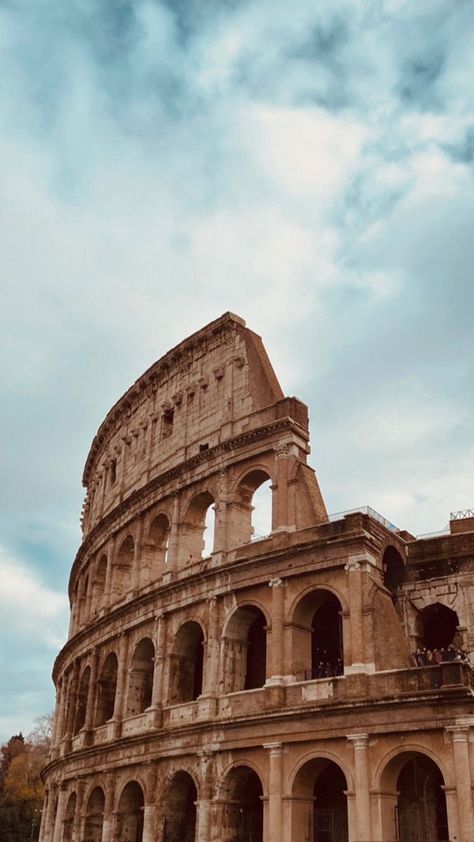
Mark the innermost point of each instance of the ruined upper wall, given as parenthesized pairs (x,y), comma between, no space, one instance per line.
(211,387)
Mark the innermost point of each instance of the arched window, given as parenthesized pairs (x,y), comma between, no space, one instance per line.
(437,627)
(83,601)
(243,806)
(98,591)
(319,805)
(197,529)
(246,650)
(317,636)
(393,569)
(107,685)
(180,811)
(68,823)
(155,549)
(251,510)
(140,683)
(187,663)
(414,805)
(81,702)
(123,567)
(94,820)
(130,814)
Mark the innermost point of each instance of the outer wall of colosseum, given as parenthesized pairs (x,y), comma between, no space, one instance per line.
(222,686)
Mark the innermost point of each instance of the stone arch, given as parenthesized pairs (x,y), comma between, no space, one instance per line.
(245,650)
(195,537)
(155,549)
(140,681)
(414,803)
(123,566)
(248,518)
(129,823)
(98,587)
(318,799)
(84,588)
(94,815)
(393,569)
(187,663)
(317,637)
(81,700)
(107,686)
(241,800)
(437,627)
(179,811)
(69,816)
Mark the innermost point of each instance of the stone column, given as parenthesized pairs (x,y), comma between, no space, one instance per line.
(108,825)
(91,693)
(275,785)
(71,705)
(44,816)
(211,670)
(280,513)
(150,806)
(220,508)
(462,770)
(204,805)
(77,828)
(121,688)
(354,583)
(275,667)
(58,824)
(360,744)
(109,573)
(137,557)
(172,558)
(160,650)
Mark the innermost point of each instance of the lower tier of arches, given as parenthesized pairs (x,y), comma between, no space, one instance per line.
(354,789)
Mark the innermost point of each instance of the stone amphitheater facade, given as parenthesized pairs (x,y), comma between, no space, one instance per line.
(255,690)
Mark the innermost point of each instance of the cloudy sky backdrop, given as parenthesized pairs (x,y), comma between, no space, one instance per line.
(307,165)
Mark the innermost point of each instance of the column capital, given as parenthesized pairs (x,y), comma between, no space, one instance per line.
(351,565)
(275,749)
(358,740)
(281,450)
(277,583)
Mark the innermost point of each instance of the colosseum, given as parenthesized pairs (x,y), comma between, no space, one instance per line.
(226,682)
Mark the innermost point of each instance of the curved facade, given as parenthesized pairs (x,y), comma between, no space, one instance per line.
(222,686)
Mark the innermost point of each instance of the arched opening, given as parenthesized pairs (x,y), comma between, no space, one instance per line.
(319,806)
(414,804)
(317,636)
(187,663)
(421,810)
(94,820)
(393,569)
(81,701)
(83,601)
(140,683)
(98,591)
(130,814)
(155,549)
(68,823)
(437,627)
(251,511)
(123,567)
(246,650)
(242,819)
(180,815)
(107,685)
(197,529)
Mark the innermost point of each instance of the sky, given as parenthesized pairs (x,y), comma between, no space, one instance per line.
(308,166)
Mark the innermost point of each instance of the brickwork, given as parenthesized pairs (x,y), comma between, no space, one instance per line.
(250,690)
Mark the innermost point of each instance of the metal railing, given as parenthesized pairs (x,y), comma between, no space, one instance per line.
(463,514)
(365,510)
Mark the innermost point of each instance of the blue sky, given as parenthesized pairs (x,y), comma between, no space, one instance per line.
(306,165)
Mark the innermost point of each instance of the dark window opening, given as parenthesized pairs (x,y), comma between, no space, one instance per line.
(330,806)
(393,569)
(180,819)
(113,471)
(167,423)
(188,663)
(256,654)
(107,686)
(326,639)
(244,811)
(438,626)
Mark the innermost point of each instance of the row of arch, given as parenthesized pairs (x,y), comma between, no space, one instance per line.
(251,518)
(412,780)
(318,641)
(319,644)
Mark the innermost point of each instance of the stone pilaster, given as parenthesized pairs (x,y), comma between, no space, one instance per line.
(360,743)
(275,786)
(462,770)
